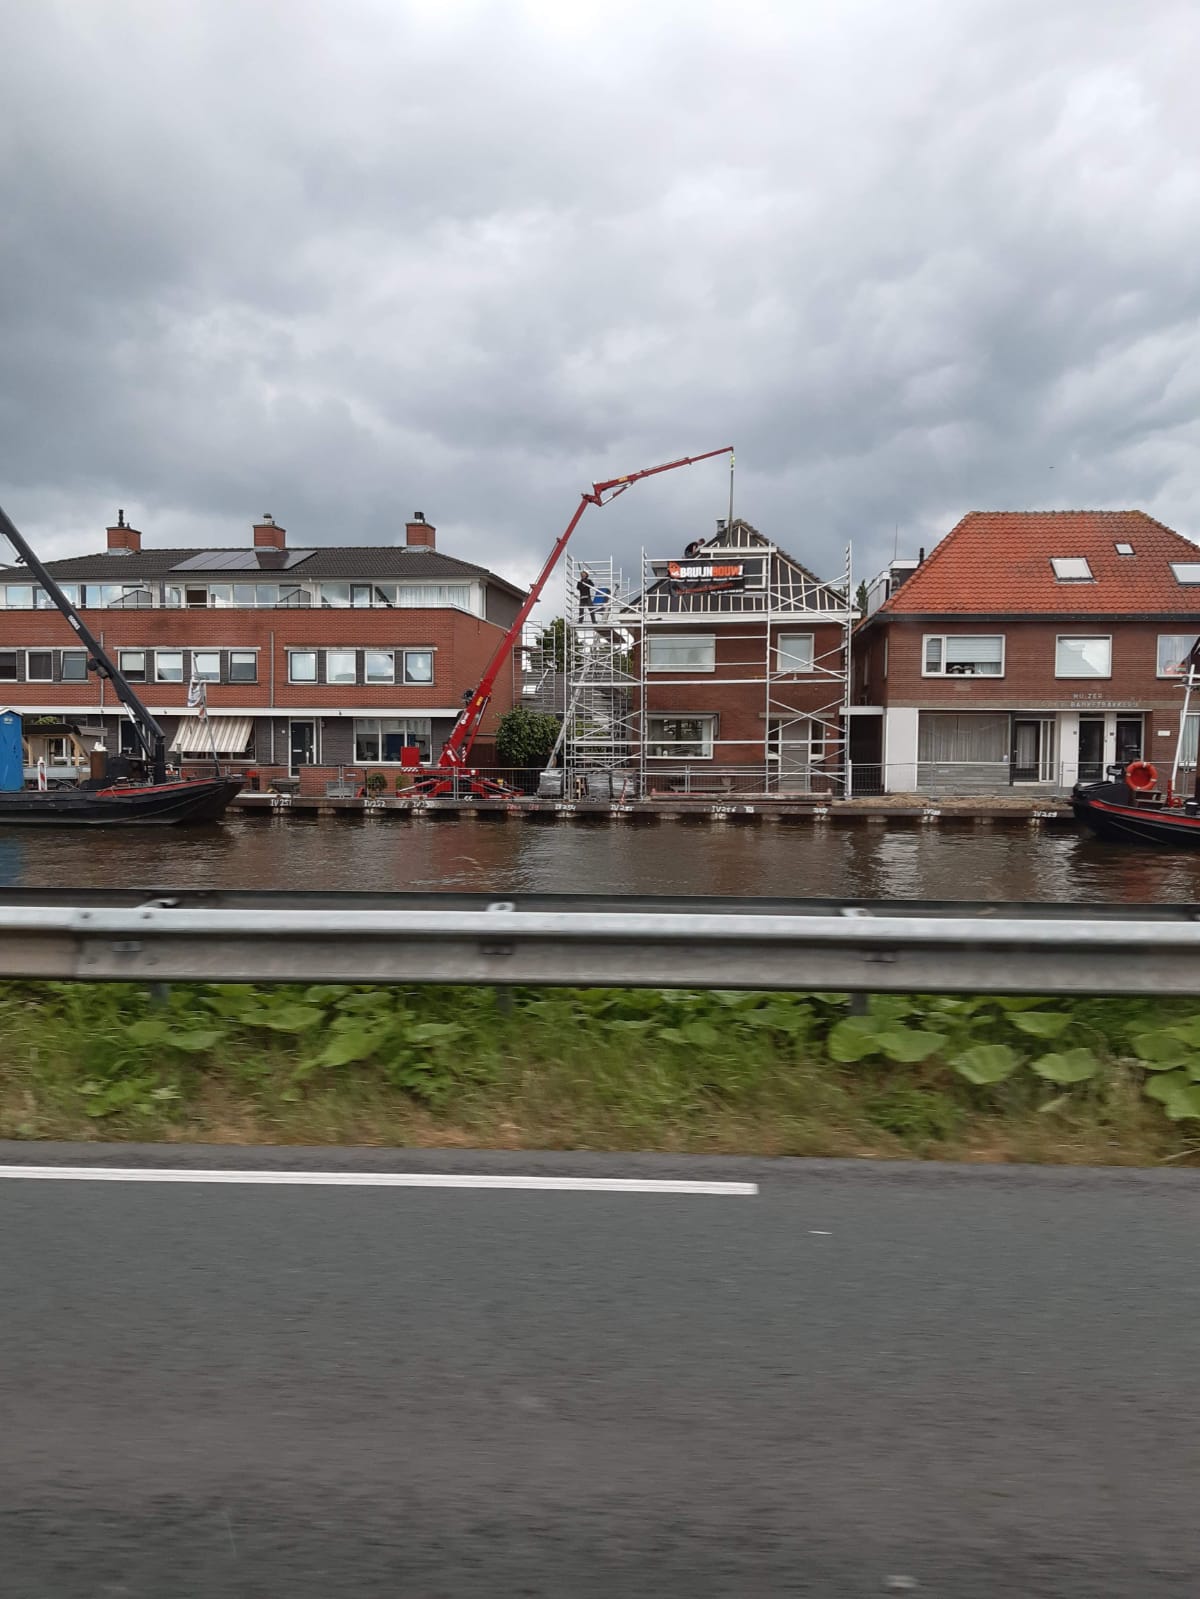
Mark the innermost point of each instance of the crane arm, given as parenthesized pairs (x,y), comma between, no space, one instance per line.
(457,749)
(149,734)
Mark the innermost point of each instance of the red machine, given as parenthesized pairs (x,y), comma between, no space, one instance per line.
(453,774)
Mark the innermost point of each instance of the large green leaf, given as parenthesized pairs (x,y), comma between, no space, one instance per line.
(290,1018)
(853,1039)
(198,1040)
(1041,1023)
(345,1047)
(1160,1049)
(1165,1086)
(1185,1104)
(1071,1066)
(986,1063)
(910,1044)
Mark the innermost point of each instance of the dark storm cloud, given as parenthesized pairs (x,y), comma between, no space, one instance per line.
(344,262)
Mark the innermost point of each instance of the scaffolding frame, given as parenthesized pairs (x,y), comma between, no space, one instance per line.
(605,745)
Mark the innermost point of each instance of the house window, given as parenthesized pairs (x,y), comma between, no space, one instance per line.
(963,655)
(1185,572)
(198,598)
(8,666)
(243,666)
(794,652)
(379,666)
(19,596)
(1071,569)
(39,666)
(1124,549)
(168,666)
(294,597)
(947,739)
(302,666)
(382,738)
(361,595)
(335,594)
(680,738)
(1173,651)
(418,596)
(695,652)
(341,666)
(129,597)
(206,666)
(74,666)
(128,742)
(1083,657)
(172,595)
(418,666)
(1191,739)
(132,664)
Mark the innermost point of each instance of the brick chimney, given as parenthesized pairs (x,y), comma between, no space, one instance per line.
(268,535)
(123,539)
(420,534)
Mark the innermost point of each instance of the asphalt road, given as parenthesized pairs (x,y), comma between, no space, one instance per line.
(862,1379)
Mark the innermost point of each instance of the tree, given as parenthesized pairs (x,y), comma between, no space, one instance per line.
(554,643)
(860,599)
(525,738)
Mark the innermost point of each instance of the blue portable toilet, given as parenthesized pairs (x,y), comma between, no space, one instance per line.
(12,757)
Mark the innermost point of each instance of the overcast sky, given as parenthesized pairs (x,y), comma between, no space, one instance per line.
(340,261)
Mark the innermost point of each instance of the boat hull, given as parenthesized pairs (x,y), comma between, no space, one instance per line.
(1107,809)
(192,802)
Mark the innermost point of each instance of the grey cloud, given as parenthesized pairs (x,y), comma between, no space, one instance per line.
(341,263)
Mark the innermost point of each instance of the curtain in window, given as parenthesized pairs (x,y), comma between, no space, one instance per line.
(945,738)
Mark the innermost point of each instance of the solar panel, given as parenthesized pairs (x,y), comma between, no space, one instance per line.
(241,560)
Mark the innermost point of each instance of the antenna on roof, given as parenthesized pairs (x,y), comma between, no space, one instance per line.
(730,522)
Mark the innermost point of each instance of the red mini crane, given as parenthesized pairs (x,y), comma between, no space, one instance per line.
(453,763)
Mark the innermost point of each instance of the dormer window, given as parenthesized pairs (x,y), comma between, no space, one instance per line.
(1071,569)
(1124,549)
(1186,571)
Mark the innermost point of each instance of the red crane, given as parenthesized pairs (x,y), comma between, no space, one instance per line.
(453,763)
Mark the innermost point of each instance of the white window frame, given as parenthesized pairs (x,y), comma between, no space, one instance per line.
(158,671)
(49,677)
(125,670)
(1070,572)
(781,657)
(1192,568)
(253,654)
(670,638)
(73,655)
(373,727)
(1187,639)
(292,678)
(206,677)
(940,670)
(419,682)
(20,588)
(707,740)
(341,681)
(375,677)
(1082,638)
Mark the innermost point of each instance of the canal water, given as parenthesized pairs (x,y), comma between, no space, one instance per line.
(824,861)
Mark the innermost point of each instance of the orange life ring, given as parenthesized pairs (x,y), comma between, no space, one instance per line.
(1141,775)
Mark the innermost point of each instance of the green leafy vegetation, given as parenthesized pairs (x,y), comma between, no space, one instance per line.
(957,1077)
(525,738)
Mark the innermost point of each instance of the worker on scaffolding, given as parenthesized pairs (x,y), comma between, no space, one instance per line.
(586,591)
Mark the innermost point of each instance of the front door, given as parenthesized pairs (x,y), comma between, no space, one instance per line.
(1033,749)
(1129,739)
(1091,749)
(795,745)
(304,744)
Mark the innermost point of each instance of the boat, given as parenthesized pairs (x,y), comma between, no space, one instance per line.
(1130,806)
(118,789)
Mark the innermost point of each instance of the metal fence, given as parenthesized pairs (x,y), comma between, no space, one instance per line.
(975,949)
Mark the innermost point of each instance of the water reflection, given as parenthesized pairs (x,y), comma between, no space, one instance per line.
(837,861)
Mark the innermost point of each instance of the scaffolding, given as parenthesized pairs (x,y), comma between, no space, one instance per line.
(639,716)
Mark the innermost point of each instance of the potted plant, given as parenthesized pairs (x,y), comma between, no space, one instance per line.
(376,783)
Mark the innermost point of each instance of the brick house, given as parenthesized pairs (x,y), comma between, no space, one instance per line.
(741,662)
(1030,650)
(313,659)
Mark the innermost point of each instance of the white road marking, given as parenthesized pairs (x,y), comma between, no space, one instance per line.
(366,1179)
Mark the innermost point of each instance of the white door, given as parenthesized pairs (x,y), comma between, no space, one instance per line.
(794,747)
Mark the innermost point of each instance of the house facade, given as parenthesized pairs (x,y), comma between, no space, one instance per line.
(1028,651)
(314,660)
(738,668)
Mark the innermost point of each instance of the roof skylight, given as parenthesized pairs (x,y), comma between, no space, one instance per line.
(1186,571)
(1124,549)
(1072,569)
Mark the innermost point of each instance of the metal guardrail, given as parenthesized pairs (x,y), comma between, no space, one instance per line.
(1071,950)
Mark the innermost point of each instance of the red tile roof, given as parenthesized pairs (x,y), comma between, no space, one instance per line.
(998,563)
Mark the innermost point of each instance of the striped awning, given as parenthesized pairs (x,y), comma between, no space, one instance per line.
(229,735)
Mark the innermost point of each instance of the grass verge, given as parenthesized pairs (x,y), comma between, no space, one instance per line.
(963,1078)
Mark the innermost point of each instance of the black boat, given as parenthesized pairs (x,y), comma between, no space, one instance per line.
(120,789)
(1121,812)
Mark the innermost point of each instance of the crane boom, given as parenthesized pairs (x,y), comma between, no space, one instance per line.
(456,751)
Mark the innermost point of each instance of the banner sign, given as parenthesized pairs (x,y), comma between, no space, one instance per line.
(711,576)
